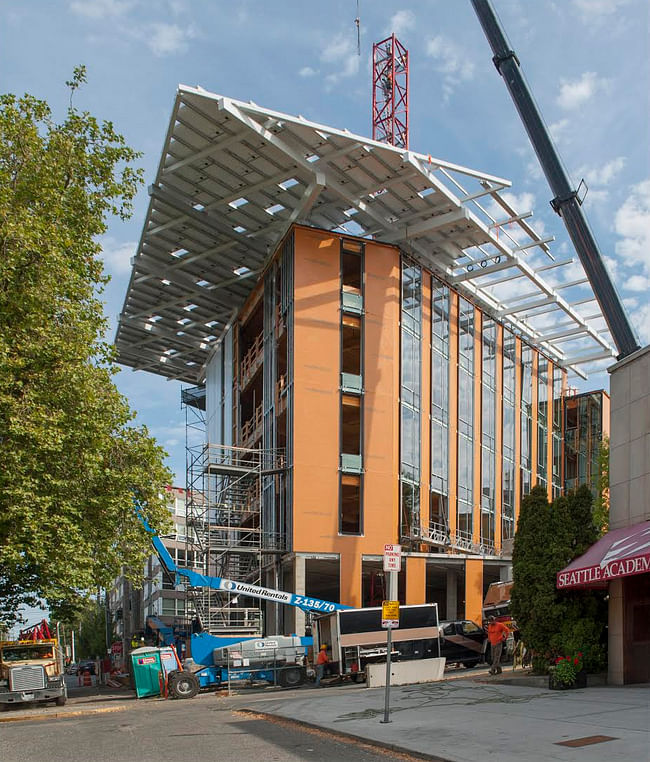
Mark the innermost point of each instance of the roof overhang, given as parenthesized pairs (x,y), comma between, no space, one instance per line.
(232,180)
(620,553)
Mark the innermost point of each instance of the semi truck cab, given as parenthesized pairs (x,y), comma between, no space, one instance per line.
(31,671)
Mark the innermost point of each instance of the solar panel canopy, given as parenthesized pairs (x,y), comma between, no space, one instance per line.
(232,180)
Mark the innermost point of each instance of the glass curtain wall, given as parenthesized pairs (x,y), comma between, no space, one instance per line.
(488,431)
(465,417)
(557,432)
(526,418)
(439,404)
(411,334)
(542,421)
(508,490)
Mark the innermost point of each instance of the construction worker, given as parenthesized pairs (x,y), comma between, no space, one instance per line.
(321,660)
(497,635)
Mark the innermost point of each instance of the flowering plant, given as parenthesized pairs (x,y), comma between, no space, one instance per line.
(567,667)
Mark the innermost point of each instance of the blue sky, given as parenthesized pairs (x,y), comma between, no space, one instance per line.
(587,62)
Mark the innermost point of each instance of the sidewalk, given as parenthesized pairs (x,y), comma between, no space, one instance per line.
(459,720)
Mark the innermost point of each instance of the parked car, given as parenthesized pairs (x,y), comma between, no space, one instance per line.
(463,642)
(72,668)
(86,666)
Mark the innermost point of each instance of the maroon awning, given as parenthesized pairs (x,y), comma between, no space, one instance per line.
(620,553)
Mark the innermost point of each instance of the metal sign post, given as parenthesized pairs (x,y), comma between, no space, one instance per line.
(390,613)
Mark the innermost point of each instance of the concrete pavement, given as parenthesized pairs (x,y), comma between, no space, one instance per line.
(459,719)
(81,701)
(462,720)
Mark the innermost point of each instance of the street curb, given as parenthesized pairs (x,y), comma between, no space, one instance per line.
(342,734)
(62,715)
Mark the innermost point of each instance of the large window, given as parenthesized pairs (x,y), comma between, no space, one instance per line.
(542,421)
(410,373)
(508,490)
(557,432)
(488,431)
(439,402)
(526,418)
(351,423)
(465,416)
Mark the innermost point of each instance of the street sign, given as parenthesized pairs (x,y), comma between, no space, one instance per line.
(392,558)
(390,614)
(116,647)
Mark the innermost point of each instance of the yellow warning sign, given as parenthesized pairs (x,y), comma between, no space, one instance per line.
(390,614)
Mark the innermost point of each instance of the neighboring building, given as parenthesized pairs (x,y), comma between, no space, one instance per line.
(620,561)
(132,607)
(160,598)
(376,360)
(629,595)
(586,424)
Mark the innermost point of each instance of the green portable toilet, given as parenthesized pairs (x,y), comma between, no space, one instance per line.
(147,670)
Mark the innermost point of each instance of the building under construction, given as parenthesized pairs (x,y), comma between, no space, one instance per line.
(371,353)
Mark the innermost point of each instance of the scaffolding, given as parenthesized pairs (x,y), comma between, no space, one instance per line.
(227,536)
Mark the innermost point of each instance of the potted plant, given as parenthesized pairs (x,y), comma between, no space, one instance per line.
(567,673)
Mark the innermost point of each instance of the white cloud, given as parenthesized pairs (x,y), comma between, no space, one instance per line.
(117,256)
(598,10)
(637,283)
(602,175)
(401,22)
(342,52)
(640,318)
(451,61)
(165,39)
(307,71)
(575,93)
(100,9)
(632,223)
(612,267)
(559,130)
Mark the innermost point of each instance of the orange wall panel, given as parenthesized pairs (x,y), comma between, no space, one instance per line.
(474,590)
(351,578)
(317,318)
(416,572)
(316,390)
(381,397)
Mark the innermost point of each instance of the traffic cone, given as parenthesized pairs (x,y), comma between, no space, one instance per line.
(88,680)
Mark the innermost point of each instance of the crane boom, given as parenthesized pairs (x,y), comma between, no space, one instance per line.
(194,579)
(565,202)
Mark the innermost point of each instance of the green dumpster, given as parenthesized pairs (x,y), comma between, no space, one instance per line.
(147,671)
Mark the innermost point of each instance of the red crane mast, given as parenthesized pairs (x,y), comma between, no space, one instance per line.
(390,92)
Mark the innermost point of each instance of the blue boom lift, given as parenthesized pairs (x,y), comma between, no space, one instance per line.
(217,660)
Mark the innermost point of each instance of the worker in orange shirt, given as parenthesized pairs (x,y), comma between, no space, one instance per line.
(321,660)
(497,635)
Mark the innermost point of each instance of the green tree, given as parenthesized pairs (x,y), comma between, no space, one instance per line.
(583,624)
(601,503)
(91,641)
(71,459)
(534,599)
(555,622)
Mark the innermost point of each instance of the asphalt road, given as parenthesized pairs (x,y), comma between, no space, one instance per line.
(205,729)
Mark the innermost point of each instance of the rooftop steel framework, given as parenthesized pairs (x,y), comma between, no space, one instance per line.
(233,178)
